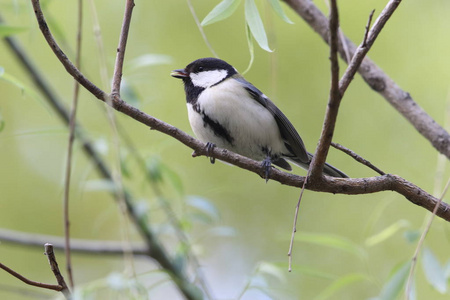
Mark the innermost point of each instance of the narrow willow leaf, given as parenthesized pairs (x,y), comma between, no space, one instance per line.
(203,205)
(148,60)
(24,88)
(339,284)
(222,11)
(279,11)
(267,268)
(251,48)
(386,233)
(255,24)
(6,30)
(331,241)
(434,273)
(394,286)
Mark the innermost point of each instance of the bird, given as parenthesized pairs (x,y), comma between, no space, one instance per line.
(227,111)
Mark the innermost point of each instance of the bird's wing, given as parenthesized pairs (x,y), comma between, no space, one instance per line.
(291,137)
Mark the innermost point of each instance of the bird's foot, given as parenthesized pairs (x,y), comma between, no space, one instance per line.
(267,166)
(209,148)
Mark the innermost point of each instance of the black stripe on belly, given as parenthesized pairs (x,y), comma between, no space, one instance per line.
(216,127)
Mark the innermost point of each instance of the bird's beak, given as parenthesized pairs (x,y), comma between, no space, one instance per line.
(180,73)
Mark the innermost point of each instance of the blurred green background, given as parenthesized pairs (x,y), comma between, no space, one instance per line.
(252,219)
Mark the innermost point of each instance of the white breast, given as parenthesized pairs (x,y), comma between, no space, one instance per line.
(250,124)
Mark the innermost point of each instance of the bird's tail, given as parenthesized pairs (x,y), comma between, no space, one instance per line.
(327,169)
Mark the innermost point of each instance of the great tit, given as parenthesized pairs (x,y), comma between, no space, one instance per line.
(227,111)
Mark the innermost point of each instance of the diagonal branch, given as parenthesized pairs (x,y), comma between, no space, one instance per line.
(379,81)
(31,282)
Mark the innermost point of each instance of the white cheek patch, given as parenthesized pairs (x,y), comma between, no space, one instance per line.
(208,78)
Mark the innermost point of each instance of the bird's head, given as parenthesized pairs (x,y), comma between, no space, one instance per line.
(205,72)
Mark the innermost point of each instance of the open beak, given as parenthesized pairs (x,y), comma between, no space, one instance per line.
(180,73)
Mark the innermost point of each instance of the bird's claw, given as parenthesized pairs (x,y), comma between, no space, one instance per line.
(267,166)
(209,148)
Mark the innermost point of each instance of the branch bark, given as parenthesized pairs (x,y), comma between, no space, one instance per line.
(31,282)
(379,81)
(334,99)
(55,269)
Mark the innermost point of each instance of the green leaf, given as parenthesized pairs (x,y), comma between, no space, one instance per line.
(148,60)
(153,165)
(386,233)
(279,11)
(273,270)
(100,185)
(25,89)
(204,206)
(222,231)
(129,93)
(251,48)
(339,284)
(331,241)
(447,270)
(6,30)
(412,235)
(255,24)
(434,273)
(173,177)
(222,11)
(394,286)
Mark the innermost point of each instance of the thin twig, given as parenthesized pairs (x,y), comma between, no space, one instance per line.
(117,77)
(294,226)
(72,124)
(366,44)
(200,28)
(331,185)
(31,282)
(100,47)
(366,33)
(421,241)
(55,269)
(357,158)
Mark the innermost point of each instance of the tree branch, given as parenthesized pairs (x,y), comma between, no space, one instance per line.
(55,269)
(327,184)
(379,81)
(334,99)
(31,282)
(77,245)
(357,158)
(117,77)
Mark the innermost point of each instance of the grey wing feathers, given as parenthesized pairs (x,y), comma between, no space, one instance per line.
(291,137)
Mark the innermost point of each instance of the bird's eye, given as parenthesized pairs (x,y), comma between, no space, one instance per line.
(199,69)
